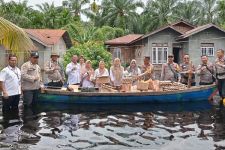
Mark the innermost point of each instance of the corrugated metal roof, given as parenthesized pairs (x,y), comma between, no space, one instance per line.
(46,36)
(199,29)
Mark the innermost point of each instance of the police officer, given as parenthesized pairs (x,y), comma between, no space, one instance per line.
(206,71)
(147,69)
(55,71)
(31,79)
(170,70)
(186,70)
(220,72)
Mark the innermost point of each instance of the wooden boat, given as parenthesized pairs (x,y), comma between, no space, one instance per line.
(198,93)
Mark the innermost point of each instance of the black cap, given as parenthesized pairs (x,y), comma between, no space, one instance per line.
(34,54)
(170,55)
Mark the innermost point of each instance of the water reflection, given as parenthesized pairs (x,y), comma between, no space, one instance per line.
(171,126)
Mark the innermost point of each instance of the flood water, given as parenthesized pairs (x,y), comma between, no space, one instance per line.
(185,126)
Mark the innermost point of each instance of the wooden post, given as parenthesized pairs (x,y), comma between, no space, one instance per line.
(189,74)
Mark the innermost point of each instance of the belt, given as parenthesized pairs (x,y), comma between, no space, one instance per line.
(55,81)
(220,74)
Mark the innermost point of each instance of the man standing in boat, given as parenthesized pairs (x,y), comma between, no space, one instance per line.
(206,72)
(147,69)
(10,85)
(187,69)
(73,71)
(31,79)
(220,73)
(170,70)
(55,71)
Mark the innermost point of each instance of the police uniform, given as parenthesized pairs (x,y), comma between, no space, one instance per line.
(31,86)
(170,72)
(147,72)
(220,74)
(55,76)
(206,71)
(184,75)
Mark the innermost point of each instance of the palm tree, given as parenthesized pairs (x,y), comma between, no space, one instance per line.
(14,38)
(191,11)
(49,12)
(76,7)
(221,12)
(158,13)
(16,12)
(209,10)
(120,13)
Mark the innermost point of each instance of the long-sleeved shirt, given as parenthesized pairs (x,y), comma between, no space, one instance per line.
(167,74)
(206,76)
(54,74)
(29,72)
(116,82)
(87,78)
(134,72)
(147,72)
(73,72)
(97,74)
(184,68)
(220,68)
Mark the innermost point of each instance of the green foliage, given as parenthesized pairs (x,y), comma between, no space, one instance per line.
(94,51)
(112,18)
(106,33)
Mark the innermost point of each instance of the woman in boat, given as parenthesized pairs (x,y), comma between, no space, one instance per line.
(101,72)
(133,70)
(86,77)
(116,73)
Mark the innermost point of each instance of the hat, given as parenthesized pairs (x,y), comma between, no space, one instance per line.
(34,54)
(54,54)
(170,55)
(147,57)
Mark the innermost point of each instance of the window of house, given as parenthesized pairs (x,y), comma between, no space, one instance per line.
(207,49)
(117,53)
(159,55)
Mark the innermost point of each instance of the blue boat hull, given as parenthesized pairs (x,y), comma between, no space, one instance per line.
(200,94)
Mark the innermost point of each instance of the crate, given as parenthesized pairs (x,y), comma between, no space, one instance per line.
(102,80)
(126,87)
(142,86)
(127,81)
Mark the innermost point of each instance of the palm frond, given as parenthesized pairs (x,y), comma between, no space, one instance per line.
(13,37)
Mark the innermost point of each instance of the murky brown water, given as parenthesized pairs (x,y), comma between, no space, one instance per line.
(162,126)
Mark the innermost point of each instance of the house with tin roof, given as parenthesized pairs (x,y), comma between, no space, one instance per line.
(49,40)
(178,38)
(45,42)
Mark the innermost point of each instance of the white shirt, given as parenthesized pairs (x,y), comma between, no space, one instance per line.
(73,72)
(98,74)
(11,78)
(86,82)
(116,82)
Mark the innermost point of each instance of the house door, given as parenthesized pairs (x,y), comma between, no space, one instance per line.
(176,53)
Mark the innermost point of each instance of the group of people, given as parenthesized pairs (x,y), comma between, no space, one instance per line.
(186,72)
(28,81)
